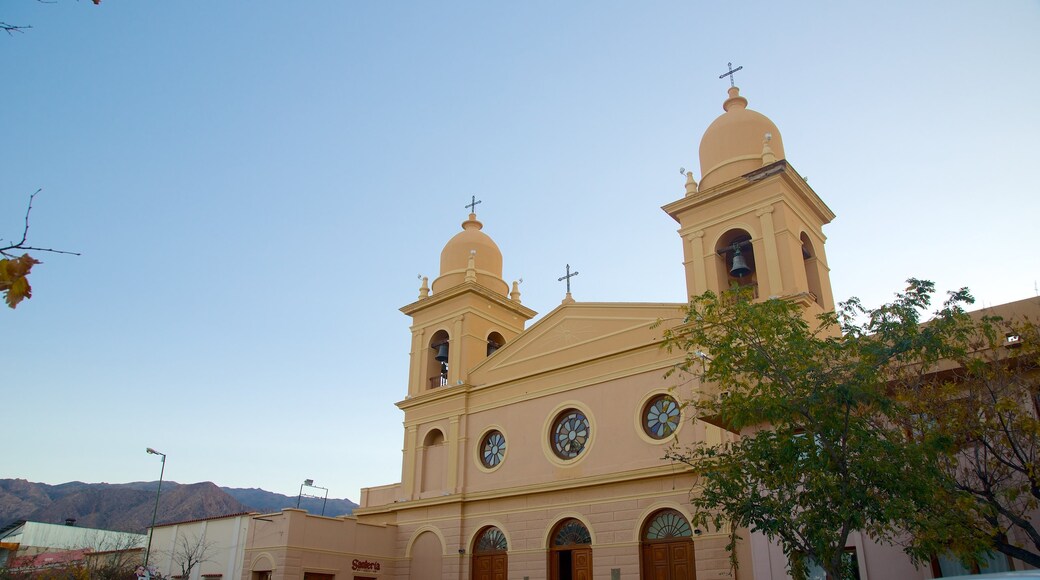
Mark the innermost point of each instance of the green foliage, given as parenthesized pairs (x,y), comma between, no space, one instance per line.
(819,454)
(985,402)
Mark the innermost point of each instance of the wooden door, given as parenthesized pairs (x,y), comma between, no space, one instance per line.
(490,567)
(581,564)
(668,561)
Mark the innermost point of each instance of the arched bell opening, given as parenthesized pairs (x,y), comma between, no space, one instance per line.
(736,266)
(437,361)
(490,559)
(495,341)
(570,551)
(666,547)
(812,269)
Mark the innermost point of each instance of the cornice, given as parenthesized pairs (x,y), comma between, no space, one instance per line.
(468,288)
(780,170)
(664,470)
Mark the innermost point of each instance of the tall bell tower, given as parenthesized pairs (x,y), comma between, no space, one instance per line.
(752,220)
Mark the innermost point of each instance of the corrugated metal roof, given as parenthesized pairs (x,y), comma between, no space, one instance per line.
(235,515)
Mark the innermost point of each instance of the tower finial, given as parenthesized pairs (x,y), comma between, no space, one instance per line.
(472,205)
(768,157)
(471,267)
(691,183)
(730,73)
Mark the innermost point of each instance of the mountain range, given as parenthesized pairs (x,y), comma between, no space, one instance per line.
(128,506)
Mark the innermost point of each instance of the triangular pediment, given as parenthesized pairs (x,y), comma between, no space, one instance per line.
(577,333)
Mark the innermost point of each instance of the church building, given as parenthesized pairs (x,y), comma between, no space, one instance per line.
(535,451)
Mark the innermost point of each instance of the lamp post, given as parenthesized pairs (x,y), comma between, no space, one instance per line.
(310,483)
(151,529)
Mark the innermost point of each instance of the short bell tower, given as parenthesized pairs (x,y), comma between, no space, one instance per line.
(459,321)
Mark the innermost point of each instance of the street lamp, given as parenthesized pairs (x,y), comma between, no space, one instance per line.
(151,529)
(310,483)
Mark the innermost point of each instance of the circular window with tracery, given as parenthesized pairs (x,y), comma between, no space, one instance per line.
(661,416)
(492,449)
(667,524)
(570,434)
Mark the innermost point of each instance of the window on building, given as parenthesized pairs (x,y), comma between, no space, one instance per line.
(494,342)
(491,540)
(736,264)
(667,524)
(492,449)
(849,564)
(437,364)
(946,565)
(570,434)
(661,416)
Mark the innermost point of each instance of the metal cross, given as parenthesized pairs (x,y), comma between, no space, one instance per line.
(472,205)
(730,73)
(568,277)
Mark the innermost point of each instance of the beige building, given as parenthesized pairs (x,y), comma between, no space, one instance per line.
(536,451)
(213,548)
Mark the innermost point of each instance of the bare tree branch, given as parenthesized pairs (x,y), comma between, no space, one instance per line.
(10,29)
(21,244)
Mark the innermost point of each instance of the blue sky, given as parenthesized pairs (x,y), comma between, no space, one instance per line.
(255,187)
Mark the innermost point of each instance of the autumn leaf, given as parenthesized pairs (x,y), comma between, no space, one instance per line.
(13,278)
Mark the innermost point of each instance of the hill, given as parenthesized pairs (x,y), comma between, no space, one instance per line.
(128,506)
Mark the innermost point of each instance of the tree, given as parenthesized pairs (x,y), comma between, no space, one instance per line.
(14,269)
(985,402)
(820,453)
(10,29)
(191,552)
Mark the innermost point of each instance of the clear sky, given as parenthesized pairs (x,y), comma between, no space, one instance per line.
(255,186)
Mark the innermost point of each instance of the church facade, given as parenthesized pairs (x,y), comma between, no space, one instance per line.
(536,451)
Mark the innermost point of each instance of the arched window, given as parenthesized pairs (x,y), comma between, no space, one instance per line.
(812,269)
(571,532)
(667,525)
(490,560)
(494,342)
(437,365)
(667,546)
(570,551)
(736,264)
(491,539)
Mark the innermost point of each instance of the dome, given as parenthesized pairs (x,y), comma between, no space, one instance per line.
(487,259)
(733,143)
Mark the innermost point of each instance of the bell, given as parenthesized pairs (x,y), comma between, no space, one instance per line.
(740,267)
(442,352)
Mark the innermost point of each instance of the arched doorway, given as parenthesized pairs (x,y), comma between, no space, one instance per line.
(570,551)
(667,547)
(489,555)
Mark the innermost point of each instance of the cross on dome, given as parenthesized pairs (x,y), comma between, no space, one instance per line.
(730,73)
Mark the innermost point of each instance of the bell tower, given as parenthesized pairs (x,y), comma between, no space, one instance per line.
(753,220)
(467,314)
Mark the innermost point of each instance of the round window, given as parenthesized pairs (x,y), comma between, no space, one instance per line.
(492,449)
(661,416)
(570,434)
